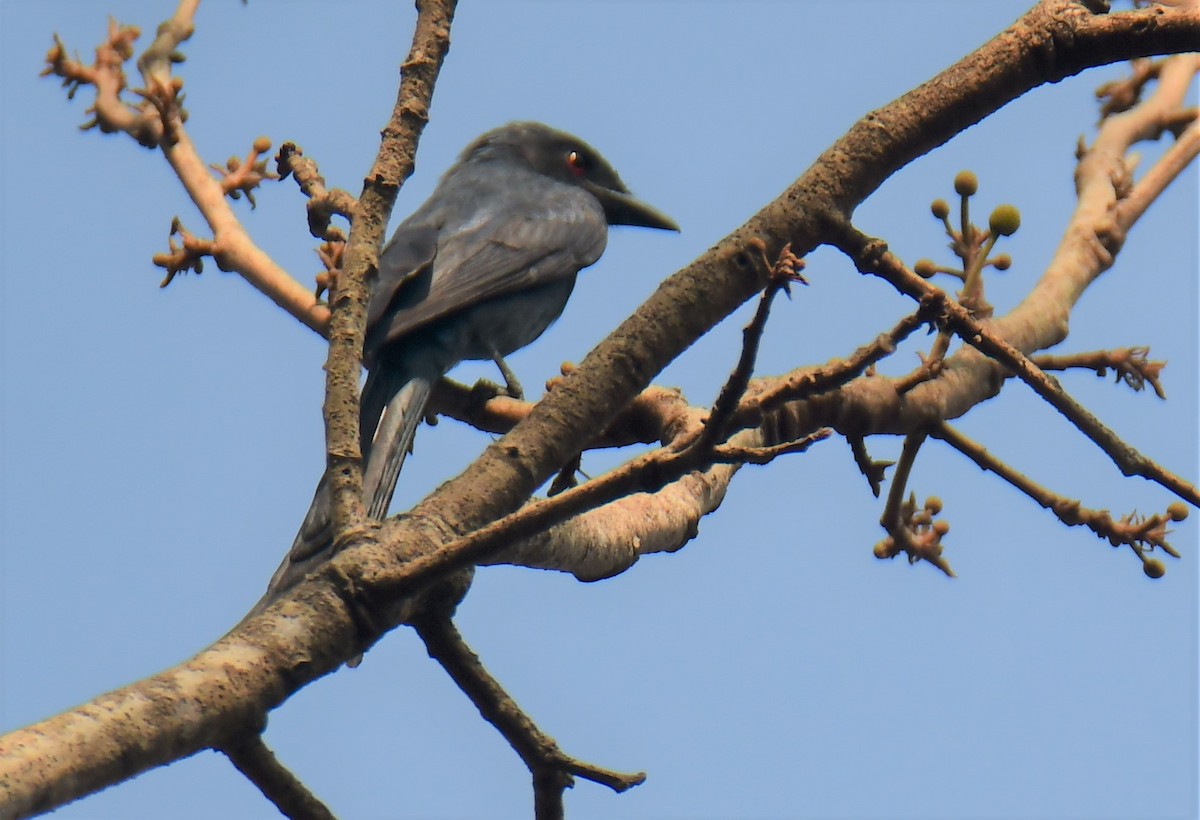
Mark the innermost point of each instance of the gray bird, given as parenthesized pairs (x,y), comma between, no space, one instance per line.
(480,270)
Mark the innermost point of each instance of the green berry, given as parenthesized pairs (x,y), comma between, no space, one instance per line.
(1004,221)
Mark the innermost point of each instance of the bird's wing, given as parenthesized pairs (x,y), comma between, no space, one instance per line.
(507,251)
(405,261)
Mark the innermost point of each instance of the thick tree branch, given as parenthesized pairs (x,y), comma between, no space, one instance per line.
(609,539)
(212,699)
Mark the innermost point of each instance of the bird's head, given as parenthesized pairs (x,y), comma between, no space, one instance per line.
(568,159)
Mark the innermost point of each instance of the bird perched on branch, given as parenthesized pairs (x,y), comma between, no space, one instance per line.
(480,270)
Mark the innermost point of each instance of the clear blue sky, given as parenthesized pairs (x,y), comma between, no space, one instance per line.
(160,447)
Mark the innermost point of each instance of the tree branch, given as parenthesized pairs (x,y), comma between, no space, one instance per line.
(260,766)
(1141,534)
(1131,365)
(393,165)
(552,770)
(986,339)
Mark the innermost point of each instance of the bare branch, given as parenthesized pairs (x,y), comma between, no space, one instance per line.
(221,693)
(323,203)
(769,392)
(609,539)
(1162,112)
(1130,364)
(240,176)
(552,770)
(260,766)
(1141,534)
(871,257)
(158,121)
(781,273)
(912,530)
(393,165)
(874,471)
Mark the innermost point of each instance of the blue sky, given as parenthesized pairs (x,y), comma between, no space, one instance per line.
(158,448)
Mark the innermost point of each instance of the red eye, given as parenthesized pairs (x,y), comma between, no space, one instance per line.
(578,163)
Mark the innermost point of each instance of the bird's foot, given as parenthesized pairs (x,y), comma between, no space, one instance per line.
(484,390)
(512,387)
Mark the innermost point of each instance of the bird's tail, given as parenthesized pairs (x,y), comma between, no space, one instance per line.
(393,404)
(392,443)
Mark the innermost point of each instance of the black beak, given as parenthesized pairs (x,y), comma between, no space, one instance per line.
(621,208)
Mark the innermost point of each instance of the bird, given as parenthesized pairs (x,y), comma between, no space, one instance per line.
(478,271)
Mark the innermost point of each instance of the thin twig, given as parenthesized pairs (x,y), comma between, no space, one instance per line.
(908,456)
(277,783)
(809,381)
(1131,365)
(784,271)
(157,121)
(931,365)
(1142,534)
(874,471)
(323,203)
(910,529)
(1175,77)
(873,257)
(733,454)
(552,770)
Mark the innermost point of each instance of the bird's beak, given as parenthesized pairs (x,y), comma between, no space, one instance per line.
(622,208)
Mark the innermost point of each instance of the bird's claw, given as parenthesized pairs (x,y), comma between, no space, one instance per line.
(484,390)
(512,387)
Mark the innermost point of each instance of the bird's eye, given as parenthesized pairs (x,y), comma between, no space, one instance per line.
(578,163)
